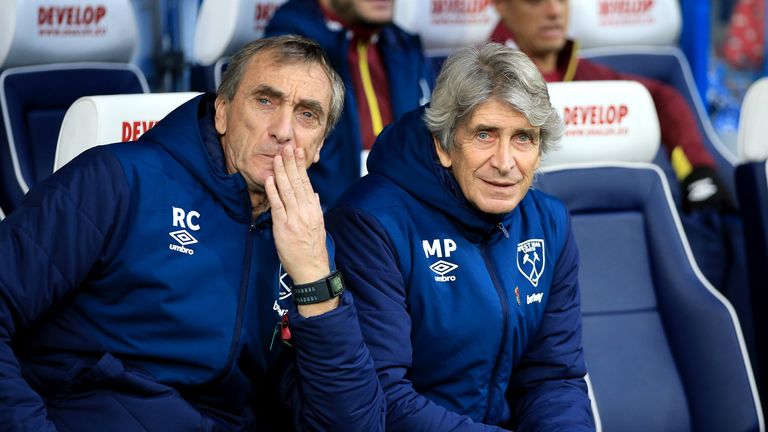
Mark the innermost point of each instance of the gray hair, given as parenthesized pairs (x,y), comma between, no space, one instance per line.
(287,49)
(472,76)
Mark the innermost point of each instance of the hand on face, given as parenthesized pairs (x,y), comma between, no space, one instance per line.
(297,224)
(276,105)
(297,218)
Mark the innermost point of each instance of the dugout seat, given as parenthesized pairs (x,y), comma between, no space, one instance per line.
(446,26)
(223,27)
(97,120)
(663,347)
(50,55)
(643,40)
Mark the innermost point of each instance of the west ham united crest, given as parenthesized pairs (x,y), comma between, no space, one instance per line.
(530,259)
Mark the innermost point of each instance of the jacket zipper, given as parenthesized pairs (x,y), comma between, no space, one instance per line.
(504,322)
(503,230)
(241,297)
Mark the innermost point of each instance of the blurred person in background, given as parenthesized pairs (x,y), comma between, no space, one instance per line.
(383,68)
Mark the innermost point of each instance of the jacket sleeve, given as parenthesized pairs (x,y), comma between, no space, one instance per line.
(47,246)
(335,388)
(547,391)
(366,258)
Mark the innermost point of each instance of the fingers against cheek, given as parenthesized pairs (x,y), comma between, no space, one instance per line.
(278,209)
(302,169)
(318,206)
(289,161)
(294,166)
(283,184)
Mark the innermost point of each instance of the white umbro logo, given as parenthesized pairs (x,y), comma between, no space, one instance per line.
(184,220)
(183,237)
(441,268)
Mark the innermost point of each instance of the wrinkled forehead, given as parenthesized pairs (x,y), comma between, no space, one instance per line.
(494,112)
(288,74)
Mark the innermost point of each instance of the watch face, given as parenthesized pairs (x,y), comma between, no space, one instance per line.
(337,285)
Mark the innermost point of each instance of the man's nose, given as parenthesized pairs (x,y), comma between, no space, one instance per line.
(555,7)
(503,159)
(281,125)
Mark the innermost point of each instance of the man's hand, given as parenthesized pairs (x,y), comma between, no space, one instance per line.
(703,189)
(297,224)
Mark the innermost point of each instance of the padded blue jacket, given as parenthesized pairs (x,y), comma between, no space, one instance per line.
(134,280)
(409,76)
(473,320)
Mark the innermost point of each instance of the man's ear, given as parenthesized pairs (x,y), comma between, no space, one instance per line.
(316,157)
(220,119)
(445,158)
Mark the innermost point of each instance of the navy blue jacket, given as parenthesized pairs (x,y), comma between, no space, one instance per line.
(136,292)
(407,70)
(473,320)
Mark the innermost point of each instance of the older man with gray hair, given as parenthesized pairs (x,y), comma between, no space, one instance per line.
(465,279)
(184,282)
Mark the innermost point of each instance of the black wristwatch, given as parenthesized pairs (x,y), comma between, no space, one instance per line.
(319,291)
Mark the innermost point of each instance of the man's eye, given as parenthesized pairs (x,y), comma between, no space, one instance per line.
(484,136)
(525,139)
(308,114)
(263,101)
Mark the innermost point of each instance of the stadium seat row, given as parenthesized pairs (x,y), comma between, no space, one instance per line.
(658,337)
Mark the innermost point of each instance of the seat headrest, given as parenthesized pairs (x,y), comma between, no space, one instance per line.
(224,26)
(752,144)
(96,120)
(445,25)
(37,31)
(605,121)
(599,23)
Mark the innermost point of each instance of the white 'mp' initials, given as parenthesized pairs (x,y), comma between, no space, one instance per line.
(180,216)
(435,249)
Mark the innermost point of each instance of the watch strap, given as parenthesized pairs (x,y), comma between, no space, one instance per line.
(319,291)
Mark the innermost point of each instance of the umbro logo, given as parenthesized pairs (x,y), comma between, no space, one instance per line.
(183,237)
(184,220)
(440,248)
(441,268)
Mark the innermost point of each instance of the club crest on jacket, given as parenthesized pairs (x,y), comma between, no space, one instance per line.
(530,259)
